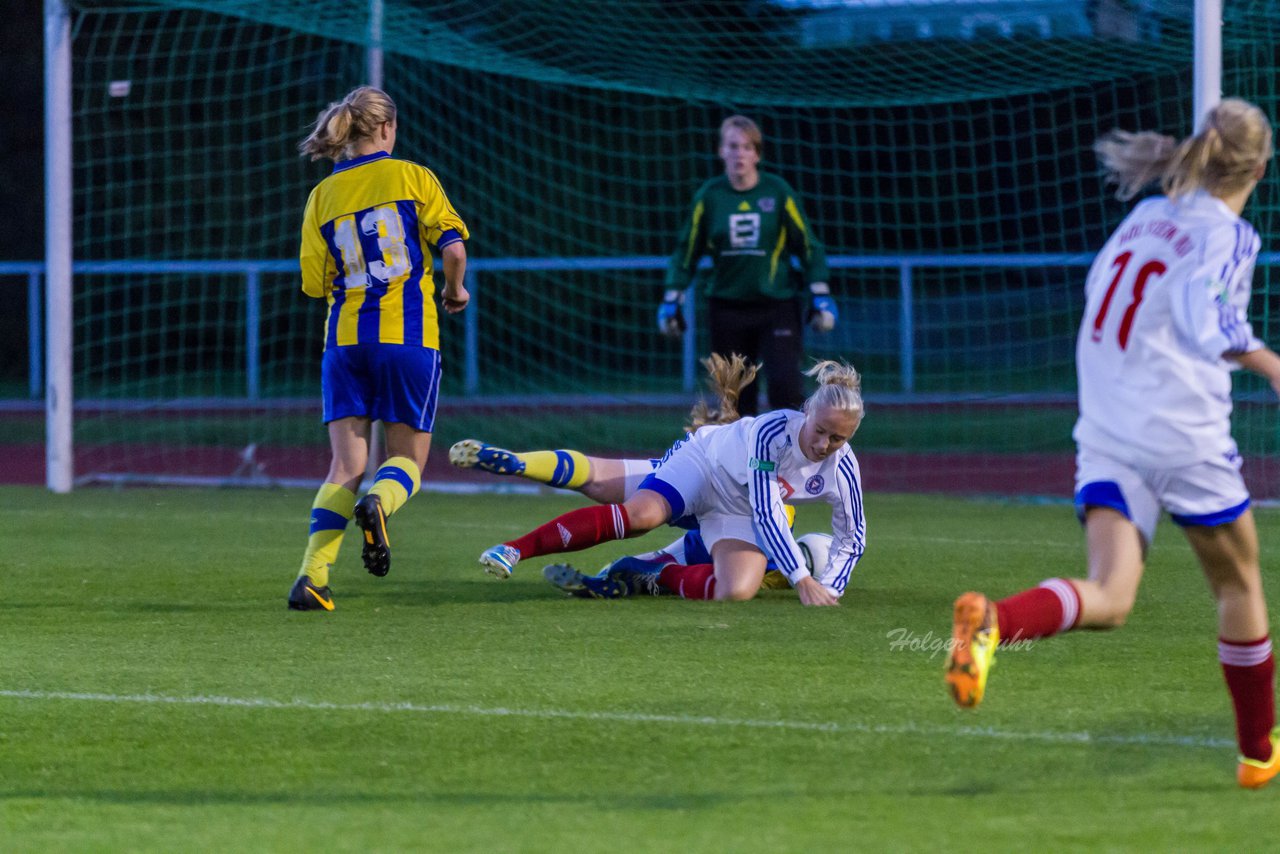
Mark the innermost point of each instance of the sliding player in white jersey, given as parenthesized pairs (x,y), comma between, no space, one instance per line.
(734,479)
(612,481)
(1164,326)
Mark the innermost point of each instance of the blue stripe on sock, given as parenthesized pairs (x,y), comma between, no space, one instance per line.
(397,474)
(326,520)
(564,469)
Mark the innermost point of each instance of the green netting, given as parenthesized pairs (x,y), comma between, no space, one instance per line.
(790,54)
(581,133)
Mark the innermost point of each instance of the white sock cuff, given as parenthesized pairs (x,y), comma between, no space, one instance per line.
(1245,654)
(1070,599)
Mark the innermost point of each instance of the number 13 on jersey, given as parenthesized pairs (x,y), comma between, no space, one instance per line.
(383,225)
(1139,280)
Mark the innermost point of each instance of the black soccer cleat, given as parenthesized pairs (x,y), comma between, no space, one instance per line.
(372,521)
(637,577)
(305,596)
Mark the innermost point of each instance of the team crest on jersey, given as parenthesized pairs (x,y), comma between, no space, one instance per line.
(767,204)
(1218,291)
(814,484)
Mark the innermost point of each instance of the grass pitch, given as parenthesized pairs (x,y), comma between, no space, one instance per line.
(155,694)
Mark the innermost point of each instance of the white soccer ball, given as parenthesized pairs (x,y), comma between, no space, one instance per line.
(815,548)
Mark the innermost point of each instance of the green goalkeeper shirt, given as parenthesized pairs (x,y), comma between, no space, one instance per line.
(751,236)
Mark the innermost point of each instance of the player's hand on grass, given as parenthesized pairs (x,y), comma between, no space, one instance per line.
(670,317)
(456,300)
(813,593)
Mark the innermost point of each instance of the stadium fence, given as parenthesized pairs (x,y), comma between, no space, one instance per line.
(963,137)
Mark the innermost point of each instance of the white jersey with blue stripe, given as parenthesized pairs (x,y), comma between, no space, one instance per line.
(757,467)
(1166,302)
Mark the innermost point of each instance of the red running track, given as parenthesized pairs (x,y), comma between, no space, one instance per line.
(1048,474)
(967,474)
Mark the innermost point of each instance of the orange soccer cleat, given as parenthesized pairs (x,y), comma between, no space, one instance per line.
(974,637)
(1254,773)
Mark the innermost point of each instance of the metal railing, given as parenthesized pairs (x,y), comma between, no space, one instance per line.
(252,272)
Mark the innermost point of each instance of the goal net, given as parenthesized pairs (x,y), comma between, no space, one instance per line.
(942,152)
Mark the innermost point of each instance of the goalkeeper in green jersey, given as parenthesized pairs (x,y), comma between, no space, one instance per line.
(751,224)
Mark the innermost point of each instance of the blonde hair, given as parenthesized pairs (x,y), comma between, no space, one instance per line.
(342,124)
(748,127)
(839,388)
(726,378)
(1222,158)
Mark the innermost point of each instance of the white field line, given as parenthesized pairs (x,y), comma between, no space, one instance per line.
(833,727)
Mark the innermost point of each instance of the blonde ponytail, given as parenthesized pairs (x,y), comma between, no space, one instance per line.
(839,388)
(1134,160)
(726,378)
(343,124)
(1222,158)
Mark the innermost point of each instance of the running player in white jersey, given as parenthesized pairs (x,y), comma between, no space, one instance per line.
(734,479)
(1164,326)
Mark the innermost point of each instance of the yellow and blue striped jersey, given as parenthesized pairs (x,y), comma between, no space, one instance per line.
(366,235)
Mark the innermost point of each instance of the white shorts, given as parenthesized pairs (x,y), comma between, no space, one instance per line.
(684,479)
(1208,493)
(723,526)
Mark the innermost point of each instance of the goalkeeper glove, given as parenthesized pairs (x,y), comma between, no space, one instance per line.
(670,317)
(823,313)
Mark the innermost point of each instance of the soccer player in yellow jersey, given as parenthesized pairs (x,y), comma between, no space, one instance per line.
(366,238)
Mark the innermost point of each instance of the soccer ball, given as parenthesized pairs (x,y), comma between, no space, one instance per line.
(815,548)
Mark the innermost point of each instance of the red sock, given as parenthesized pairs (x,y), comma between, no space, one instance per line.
(575,530)
(1250,669)
(1052,607)
(691,582)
